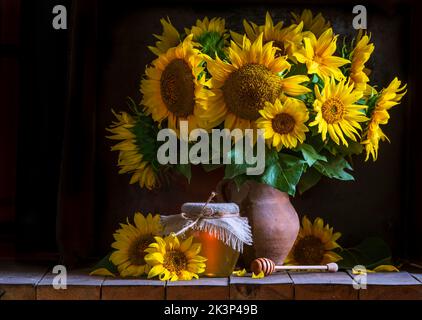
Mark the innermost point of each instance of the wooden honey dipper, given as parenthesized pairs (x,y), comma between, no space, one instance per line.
(268,267)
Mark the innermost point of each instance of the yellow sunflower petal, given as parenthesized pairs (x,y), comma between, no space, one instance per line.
(155,271)
(386,268)
(258,276)
(154,258)
(101,272)
(239,273)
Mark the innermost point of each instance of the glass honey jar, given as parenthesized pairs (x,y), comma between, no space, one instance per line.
(219,228)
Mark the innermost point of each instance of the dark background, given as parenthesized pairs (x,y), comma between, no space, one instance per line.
(59,187)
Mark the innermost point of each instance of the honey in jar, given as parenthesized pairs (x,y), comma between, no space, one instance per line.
(221,258)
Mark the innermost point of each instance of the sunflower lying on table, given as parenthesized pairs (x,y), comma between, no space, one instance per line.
(172,260)
(316,244)
(140,250)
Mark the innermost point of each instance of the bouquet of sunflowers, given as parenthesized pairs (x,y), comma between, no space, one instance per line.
(307,88)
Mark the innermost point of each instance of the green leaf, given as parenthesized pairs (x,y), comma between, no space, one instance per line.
(371,253)
(107,264)
(273,177)
(348,260)
(361,102)
(271,156)
(371,103)
(314,139)
(233,169)
(212,43)
(288,160)
(292,177)
(309,154)
(211,167)
(309,179)
(285,174)
(315,136)
(334,168)
(145,131)
(297,69)
(342,150)
(184,169)
(282,171)
(241,179)
(292,169)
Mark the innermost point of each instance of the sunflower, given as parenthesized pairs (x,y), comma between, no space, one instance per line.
(240,88)
(318,54)
(337,112)
(204,26)
(359,56)
(171,260)
(314,244)
(131,241)
(168,39)
(210,34)
(174,86)
(388,98)
(373,135)
(317,25)
(391,96)
(284,123)
(288,40)
(131,159)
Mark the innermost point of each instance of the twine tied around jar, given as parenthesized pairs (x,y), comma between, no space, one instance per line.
(205,213)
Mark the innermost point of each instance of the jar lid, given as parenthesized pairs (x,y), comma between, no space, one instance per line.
(211,209)
(221,220)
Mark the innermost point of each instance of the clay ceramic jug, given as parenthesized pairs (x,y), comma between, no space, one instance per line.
(274,221)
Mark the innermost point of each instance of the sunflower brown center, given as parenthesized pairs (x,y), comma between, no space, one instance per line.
(247,89)
(308,251)
(332,110)
(137,249)
(177,88)
(283,123)
(175,261)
